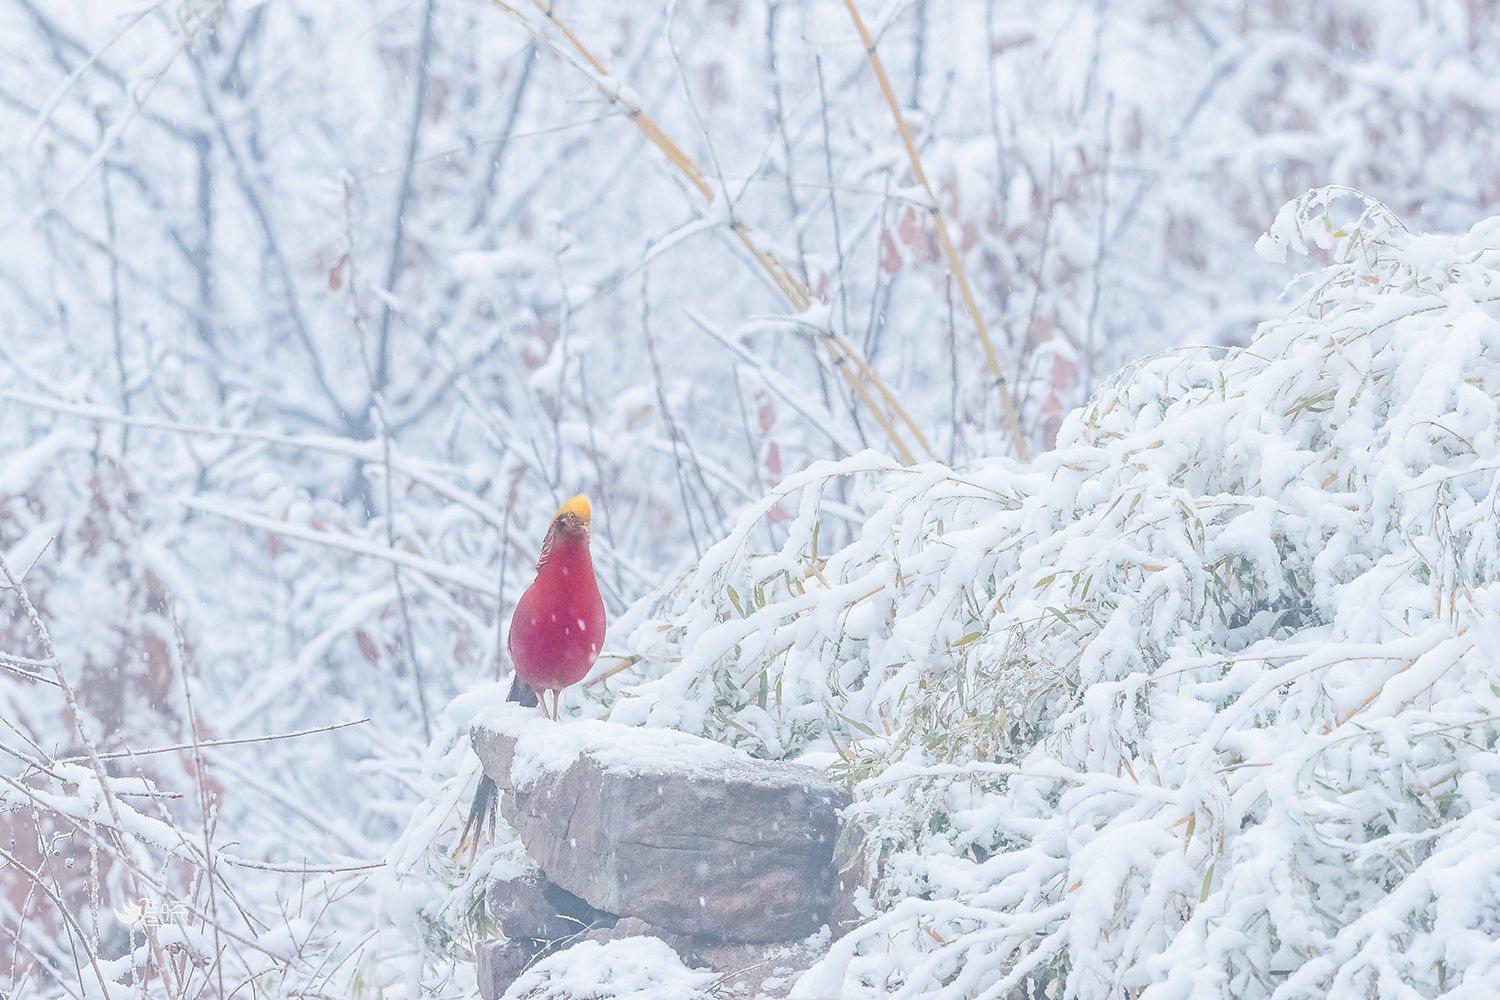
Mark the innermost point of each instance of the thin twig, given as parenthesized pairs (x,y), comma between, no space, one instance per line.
(793,210)
(348,543)
(362,451)
(376,377)
(673,434)
(64,911)
(204,807)
(116,320)
(953,370)
(507,133)
(991,359)
(1099,249)
(22,666)
(823,422)
(833,204)
(281,265)
(44,638)
(382,361)
(843,356)
(210,744)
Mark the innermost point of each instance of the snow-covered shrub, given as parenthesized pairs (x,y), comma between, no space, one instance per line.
(1201,703)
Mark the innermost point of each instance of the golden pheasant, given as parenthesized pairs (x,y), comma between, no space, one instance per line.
(558,624)
(555,631)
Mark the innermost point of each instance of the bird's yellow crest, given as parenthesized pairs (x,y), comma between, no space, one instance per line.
(578,507)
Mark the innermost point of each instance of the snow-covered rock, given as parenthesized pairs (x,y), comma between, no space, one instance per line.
(687,834)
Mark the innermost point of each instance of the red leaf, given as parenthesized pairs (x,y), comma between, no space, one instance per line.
(766,413)
(367,647)
(773,460)
(890,257)
(910,232)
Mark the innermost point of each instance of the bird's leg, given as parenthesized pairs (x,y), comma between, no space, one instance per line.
(556,697)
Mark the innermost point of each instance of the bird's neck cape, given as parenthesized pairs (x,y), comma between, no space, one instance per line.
(556,539)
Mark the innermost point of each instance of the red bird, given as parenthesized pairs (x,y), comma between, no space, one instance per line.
(555,634)
(558,625)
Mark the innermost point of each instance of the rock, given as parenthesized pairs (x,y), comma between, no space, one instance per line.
(690,835)
(850,902)
(500,964)
(759,972)
(527,905)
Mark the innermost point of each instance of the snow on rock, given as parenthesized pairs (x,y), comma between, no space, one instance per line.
(633,968)
(694,836)
(536,746)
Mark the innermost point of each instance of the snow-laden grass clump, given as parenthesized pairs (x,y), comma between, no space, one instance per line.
(1202,703)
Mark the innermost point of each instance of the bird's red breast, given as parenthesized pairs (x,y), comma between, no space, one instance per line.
(558,625)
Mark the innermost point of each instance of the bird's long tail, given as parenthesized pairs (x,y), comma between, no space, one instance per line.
(486,796)
(522,692)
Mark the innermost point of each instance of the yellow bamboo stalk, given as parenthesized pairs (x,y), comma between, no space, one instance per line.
(991,359)
(857,384)
(886,394)
(637,114)
(854,368)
